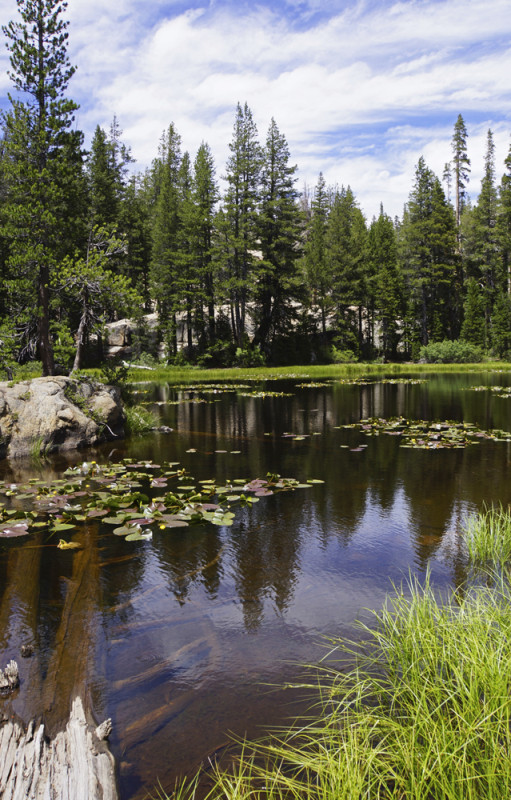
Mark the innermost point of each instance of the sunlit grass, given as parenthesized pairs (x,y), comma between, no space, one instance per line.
(313,371)
(195,375)
(488,537)
(424,713)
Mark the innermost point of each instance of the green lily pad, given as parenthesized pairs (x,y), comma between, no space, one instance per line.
(124,530)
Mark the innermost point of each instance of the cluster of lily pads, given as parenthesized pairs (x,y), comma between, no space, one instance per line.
(180,402)
(266,394)
(500,391)
(373,382)
(427,435)
(314,385)
(134,498)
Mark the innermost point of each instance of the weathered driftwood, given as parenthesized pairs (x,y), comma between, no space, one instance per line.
(9,677)
(75,765)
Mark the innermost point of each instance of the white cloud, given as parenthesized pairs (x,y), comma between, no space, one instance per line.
(360,92)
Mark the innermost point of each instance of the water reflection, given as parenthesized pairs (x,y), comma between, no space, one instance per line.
(176,638)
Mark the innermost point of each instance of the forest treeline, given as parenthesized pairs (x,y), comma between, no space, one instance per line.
(258,273)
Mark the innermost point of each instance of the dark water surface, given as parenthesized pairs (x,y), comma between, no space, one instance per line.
(187,633)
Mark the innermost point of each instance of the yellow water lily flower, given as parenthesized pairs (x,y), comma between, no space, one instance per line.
(63,545)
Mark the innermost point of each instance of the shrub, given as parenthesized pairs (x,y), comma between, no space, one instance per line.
(343,356)
(139,420)
(247,357)
(451,352)
(114,373)
(219,354)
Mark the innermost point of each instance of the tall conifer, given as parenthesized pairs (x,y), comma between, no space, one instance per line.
(279,233)
(43,158)
(460,166)
(240,217)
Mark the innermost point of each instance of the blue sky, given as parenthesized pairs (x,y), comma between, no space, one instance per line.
(360,88)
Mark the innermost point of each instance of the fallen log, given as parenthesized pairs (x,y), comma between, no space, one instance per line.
(75,765)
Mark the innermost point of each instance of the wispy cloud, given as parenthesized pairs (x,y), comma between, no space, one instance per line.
(361,90)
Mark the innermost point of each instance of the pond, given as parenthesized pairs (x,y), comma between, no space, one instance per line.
(190,637)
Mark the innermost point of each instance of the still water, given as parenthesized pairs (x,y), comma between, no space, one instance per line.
(183,640)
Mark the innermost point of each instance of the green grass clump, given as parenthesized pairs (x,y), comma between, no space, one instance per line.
(312,371)
(424,713)
(488,537)
(139,420)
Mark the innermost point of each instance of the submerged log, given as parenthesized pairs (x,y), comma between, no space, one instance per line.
(75,765)
(61,754)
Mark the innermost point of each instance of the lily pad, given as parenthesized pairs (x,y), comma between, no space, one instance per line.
(13,530)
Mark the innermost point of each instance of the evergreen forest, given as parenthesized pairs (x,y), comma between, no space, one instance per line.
(258,273)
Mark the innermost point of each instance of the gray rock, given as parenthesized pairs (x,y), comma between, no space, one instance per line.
(119,333)
(57,413)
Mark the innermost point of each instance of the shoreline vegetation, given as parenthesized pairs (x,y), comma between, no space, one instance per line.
(419,709)
(189,374)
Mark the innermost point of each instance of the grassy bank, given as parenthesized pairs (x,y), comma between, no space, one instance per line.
(174,375)
(420,711)
(312,371)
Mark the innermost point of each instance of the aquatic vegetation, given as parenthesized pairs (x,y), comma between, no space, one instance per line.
(419,709)
(266,394)
(425,435)
(139,420)
(213,387)
(180,402)
(488,537)
(127,497)
(500,391)
(405,381)
(314,385)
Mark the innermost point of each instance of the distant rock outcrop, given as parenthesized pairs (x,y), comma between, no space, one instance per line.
(120,335)
(57,413)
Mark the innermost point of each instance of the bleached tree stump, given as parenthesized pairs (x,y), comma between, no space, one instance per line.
(75,765)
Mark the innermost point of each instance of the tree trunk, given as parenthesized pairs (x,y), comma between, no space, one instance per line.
(80,336)
(43,321)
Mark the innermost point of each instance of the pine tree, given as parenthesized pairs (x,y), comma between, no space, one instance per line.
(316,263)
(481,245)
(382,253)
(279,232)
(346,241)
(43,160)
(240,225)
(460,166)
(102,182)
(504,224)
(473,328)
(501,325)
(204,197)
(165,190)
(134,224)
(186,280)
(428,252)
(96,289)
(120,156)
